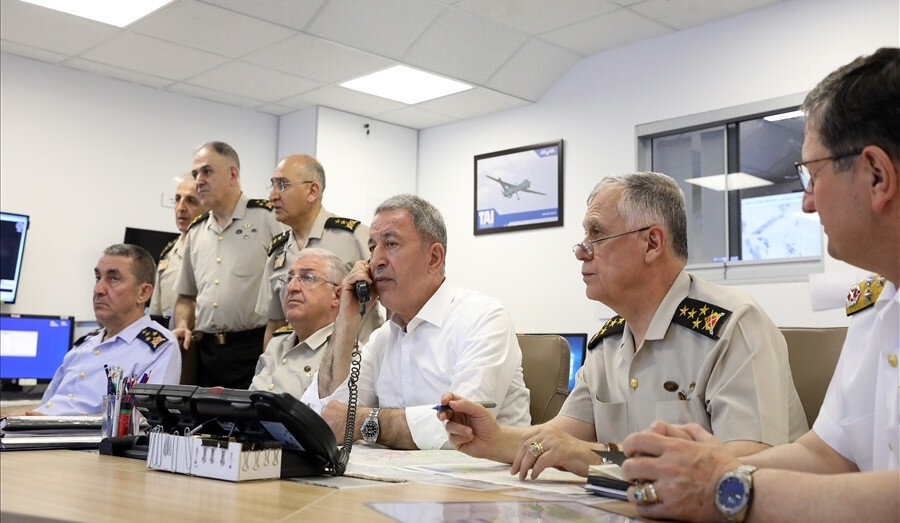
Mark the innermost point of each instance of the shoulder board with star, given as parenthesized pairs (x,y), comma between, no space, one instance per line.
(152,337)
(80,340)
(864,294)
(277,241)
(259,204)
(614,325)
(167,248)
(200,219)
(347,224)
(281,331)
(701,317)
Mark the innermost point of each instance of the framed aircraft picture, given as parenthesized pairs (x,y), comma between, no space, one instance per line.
(519,188)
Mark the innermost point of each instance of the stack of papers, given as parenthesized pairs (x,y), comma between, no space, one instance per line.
(50,432)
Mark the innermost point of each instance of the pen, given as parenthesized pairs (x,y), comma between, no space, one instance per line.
(485,404)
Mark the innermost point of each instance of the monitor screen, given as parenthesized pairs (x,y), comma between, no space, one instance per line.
(33,347)
(774,226)
(12,246)
(153,241)
(577,349)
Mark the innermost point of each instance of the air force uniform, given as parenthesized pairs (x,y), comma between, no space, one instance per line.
(288,364)
(81,381)
(223,267)
(710,355)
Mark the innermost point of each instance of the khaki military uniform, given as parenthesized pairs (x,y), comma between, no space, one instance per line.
(288,364)
(711,356)
(222,268)
(162,302)
(347,238)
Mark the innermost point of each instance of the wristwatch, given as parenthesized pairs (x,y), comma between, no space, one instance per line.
(734,492)
(369,427)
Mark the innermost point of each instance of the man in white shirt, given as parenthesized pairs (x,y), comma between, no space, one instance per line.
(846,467)
(438,338)
(312,294)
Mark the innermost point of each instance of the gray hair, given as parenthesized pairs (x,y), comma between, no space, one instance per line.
(858,105)
(425,218)
(335,268)
(143,268)
(648,198)
(313,167)
(223,149)
(183,178)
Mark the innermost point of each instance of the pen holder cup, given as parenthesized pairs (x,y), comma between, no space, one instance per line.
(120,418)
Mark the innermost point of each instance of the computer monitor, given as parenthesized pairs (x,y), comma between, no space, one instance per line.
(32,347)
(577,350)
(13,228)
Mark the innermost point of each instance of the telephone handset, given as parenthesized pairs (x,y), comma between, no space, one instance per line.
(362,295)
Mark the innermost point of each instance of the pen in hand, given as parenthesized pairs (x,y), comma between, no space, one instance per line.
(485,404)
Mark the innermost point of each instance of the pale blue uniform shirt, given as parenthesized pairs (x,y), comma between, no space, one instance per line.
(80,382)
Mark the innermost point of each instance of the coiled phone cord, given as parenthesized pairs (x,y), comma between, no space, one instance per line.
(350,428)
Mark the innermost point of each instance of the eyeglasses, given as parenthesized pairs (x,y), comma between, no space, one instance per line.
(588,245)
(280,185)
(806,179)
(307,280)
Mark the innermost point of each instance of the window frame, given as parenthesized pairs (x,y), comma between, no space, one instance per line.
(740,271)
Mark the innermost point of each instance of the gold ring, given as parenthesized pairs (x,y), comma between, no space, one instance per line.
(650,493)
(536,448)
(639,496)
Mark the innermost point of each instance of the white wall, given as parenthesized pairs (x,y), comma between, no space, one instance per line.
(86,156)
(363,168)
(776,51)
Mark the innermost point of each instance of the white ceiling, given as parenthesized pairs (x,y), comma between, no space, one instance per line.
(278,56)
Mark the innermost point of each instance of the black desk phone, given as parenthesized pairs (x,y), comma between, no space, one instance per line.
(308,444)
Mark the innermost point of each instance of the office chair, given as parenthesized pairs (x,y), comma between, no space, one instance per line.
(813,353)
(545,365)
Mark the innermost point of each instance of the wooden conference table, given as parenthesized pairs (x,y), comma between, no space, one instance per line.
(84,486)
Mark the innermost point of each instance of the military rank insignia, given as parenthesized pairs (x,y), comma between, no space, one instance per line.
(152,337)
(701,317)
(80,340)
(280,331)
(259,204)
(341,223)
(277,241)
(200,218)
(614,325)
(864,294)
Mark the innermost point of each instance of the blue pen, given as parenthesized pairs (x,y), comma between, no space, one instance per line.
(485,404)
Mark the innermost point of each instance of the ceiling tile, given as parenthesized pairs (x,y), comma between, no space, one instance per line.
(290,13)
(212,94)
(384,27)
(50,30)
(463,46)
(537,16)
(118,73)
(415,118)
(606,32)
(252,81)
(31,52)
(151,56)
(472,103)
(344,99)
(690,13)
(317,59)
(533,70)
(210,28)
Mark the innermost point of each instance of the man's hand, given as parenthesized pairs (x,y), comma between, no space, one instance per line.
(684,463)
(349,301)
(470,427)
(560,450)
(185,336)
(335,414)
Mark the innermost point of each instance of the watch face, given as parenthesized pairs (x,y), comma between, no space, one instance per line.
(731,494)
(367,429)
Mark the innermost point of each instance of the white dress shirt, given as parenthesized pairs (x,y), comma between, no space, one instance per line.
(460,341)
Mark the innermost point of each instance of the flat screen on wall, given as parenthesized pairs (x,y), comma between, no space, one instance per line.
(13,228)
(153,241)
(519,188)
(33,346)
